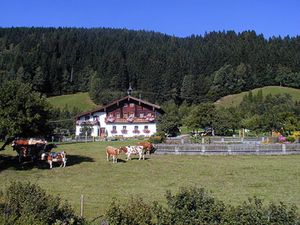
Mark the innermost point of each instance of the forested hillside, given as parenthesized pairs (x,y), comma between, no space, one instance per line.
(159,67)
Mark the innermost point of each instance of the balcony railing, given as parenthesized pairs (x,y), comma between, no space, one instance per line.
(87,122)
(129,120)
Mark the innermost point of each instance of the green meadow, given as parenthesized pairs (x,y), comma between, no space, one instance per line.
(81,101)
(232,179)
(236,99)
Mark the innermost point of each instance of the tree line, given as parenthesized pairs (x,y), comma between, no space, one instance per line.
(159,67)
(258,113)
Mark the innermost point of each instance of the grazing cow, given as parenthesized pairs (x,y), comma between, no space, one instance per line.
(22,148)
(51,157)
(147,146)
(133,150)
(112,152)
(29,149)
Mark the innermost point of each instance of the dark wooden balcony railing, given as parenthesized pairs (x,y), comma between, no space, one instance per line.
(129,120)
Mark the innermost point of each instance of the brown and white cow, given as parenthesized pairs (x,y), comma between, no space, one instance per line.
(51,157)
(148,147)
(112,152)
(133,150)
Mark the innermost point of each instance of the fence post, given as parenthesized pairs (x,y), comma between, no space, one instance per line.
(257,148)
(203,148)
(176,150)
(81,205)
(229,149)
(283,147)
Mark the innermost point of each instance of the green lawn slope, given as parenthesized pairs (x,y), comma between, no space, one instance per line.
(81,101)
(236,99)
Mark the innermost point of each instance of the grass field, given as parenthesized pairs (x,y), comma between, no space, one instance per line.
(235,100)
(230,178)
(78,100)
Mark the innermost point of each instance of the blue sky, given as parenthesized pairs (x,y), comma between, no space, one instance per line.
(174,17)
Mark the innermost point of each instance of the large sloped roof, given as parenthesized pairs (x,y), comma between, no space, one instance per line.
(118,101)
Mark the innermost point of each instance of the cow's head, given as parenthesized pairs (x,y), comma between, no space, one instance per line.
(123,149)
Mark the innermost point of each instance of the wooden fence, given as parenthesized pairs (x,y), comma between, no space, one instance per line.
(228,149)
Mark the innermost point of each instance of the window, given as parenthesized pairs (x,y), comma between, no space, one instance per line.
(131,104)
(141,115)
(124,130)
(136,130)
(114,130)
(125,115)
(125,105)
(146,130)
(118,115)
(86,117)
(95,118)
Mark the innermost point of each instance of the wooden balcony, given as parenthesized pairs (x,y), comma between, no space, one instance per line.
(134,120)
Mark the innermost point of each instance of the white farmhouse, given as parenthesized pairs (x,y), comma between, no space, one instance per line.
(127,116)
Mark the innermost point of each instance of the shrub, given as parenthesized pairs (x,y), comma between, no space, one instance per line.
(136,211)
(196,206)
(290,139)
(157,138)
(26,203)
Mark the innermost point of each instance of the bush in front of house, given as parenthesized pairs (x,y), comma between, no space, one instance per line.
(196,206)
(157,138)
(26,203)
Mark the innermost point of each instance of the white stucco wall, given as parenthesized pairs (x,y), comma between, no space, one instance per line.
(130,128)
(101,119)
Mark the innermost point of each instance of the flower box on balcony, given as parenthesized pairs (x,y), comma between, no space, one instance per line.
(130,119)
(146,131)
(114,131)
(136,131)
(110,119)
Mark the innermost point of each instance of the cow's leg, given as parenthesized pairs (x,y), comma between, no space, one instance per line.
(50,164)
(65,162)
(114,159)
(107,157)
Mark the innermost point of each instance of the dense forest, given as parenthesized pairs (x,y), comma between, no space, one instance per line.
(159,67)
